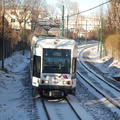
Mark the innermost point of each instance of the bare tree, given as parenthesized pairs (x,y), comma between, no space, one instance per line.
(52,11)
(112,30)
(25,10)
(113,17)
(70,7)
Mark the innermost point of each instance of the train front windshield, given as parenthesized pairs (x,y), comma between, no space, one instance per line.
(56,61)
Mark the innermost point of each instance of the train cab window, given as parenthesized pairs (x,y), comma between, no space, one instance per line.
(74,65)
(36,66)
(56,61)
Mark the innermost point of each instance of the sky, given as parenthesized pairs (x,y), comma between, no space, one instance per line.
(83,4)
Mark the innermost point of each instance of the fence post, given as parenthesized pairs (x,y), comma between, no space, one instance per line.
(24,34)
(2,31)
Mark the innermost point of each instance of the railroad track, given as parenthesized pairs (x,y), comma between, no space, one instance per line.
(98,76)
(69,109)
(60,109)
(109,91)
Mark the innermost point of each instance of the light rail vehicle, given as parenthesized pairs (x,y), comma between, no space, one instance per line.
(53,66)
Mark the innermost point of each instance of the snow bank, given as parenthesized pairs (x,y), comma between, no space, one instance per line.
(104,64)
(15,100)
(17,62)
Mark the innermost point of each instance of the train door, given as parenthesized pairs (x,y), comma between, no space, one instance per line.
(36,66)
(74,61)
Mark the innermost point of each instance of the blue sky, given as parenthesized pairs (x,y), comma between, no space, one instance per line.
(83,4)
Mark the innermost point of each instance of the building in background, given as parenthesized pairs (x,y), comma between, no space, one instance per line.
(80,25)
(16,16)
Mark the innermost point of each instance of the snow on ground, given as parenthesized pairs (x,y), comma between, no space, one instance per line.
(15,100)
(105,64)
(109,69)
(15,97)
(98,107)
(87,97)
(17,62)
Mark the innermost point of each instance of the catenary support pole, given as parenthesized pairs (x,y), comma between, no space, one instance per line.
(98,34)
(101,36)
(86,33)
(67,26)
(63,21)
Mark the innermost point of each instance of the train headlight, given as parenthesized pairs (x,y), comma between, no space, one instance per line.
(64,82)
(45,81)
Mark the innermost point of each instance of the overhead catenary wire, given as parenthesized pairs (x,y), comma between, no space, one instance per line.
(89,9)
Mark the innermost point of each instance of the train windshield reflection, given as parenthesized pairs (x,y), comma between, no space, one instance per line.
(56,61)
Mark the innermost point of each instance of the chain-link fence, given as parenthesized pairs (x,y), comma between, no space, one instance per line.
(9,49)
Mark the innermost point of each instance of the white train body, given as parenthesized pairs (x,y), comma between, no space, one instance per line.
(53,65)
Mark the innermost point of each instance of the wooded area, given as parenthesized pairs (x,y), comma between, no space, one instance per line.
(111,30)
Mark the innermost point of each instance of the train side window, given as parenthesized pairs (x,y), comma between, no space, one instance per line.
(74,65)
(36,66)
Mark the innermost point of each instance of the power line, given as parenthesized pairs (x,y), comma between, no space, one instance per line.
(90,8)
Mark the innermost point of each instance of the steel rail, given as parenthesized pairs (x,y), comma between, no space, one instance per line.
(93,86)
(46,111)
(109,99)
(95,73)
(73,108)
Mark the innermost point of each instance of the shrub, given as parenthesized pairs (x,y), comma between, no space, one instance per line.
(112,46)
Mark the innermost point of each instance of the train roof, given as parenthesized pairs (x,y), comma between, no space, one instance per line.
(61,43)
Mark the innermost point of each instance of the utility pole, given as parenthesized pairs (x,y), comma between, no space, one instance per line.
(101,36)
(86,33)
(67,25)
(76,27)
(2,32)
(63,21)
(98,34)
(24,37)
